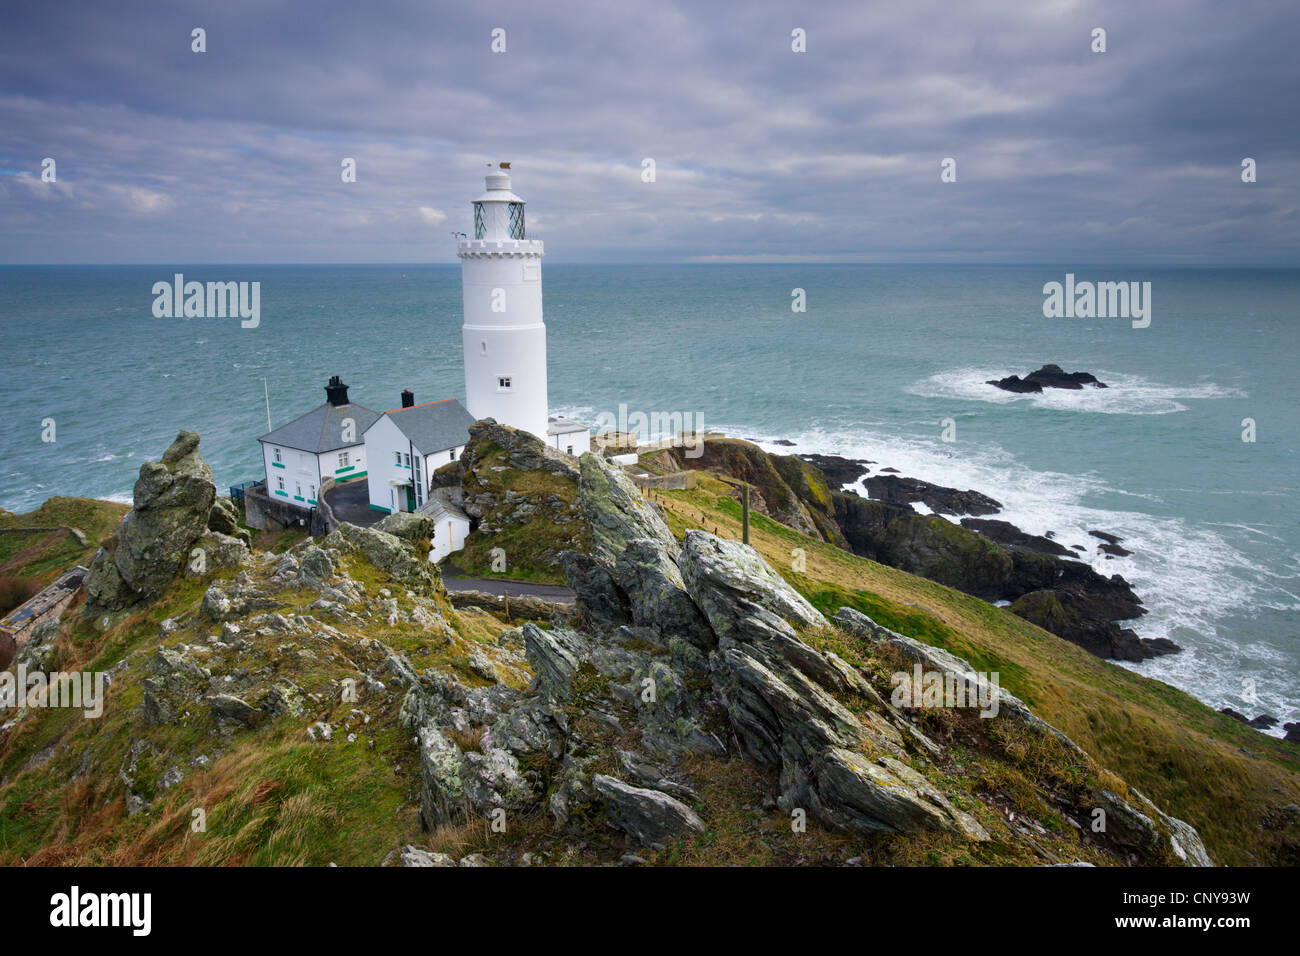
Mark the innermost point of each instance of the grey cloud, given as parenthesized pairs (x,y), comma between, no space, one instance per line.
(233,155)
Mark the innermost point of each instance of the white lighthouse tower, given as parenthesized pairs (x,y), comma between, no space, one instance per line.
(503,334)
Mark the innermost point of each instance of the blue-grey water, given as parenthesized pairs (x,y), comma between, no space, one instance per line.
(882,357)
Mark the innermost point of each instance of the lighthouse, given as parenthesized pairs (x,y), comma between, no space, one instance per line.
(504,336)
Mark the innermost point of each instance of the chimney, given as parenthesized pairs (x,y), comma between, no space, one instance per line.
(336,393)
(408,398)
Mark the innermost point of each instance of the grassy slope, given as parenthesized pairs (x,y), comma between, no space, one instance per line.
(1188,758)
(270,796)
(42,555)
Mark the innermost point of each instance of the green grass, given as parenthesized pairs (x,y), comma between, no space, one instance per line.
(42,555)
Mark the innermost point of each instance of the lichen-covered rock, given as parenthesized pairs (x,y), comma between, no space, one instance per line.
(224,519)
(648,816)
(618,512)
(315,569)
(385,551)
(554,657)
(215,551)
(175,687)
(285,699)
(414,856)
(456,785)
(173,502)
(738,590)
(1134,828)
(411,527)
(229,709)
(631,575)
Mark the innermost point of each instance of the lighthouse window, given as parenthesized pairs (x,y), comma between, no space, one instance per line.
(343,459)
(399,458)
(277,456)
(516,220)
(480,222)
(503,383)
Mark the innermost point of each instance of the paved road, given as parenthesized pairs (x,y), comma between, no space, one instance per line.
(351,503)
(547,592)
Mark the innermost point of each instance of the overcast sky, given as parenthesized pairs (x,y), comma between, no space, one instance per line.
(1063,155)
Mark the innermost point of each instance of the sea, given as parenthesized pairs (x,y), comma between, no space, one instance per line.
(1190,455)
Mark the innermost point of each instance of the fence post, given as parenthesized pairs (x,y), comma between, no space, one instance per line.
(744,513)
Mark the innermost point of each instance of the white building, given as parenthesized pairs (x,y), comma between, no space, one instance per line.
(326,442)
(568,436)
(450,526)
(406,445)
(504,337)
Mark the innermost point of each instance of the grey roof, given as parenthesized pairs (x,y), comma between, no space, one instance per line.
(321,429)
(564,426)
(439,509)
(434,426)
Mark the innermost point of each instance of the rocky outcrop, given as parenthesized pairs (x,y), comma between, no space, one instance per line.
(1130,828)
(896,489)
(780,696)
(631,575)
(521,496)
(1078,615)
(993,560)
(1049,376)
(173,503)
(839,471)
(385,551)
(1012,538)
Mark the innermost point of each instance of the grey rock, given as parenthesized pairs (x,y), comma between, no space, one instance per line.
(631,575)
(414,856)
(385,551)
(648,816)
(554,657)
(229,709)
(411,527)
(736,588)
(315,568)
(172,502)
(285,699)
(455,785)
